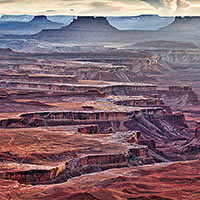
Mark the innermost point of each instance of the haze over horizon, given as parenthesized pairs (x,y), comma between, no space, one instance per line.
(101,7)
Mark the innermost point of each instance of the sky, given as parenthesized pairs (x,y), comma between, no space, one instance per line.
(101,7)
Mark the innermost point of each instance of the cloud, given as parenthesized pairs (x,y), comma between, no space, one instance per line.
(100,7)
(175,5)
(169,5)
(155,3)
(195,10)
(105,7)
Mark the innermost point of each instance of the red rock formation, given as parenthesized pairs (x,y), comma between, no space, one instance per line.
(76,167)
(22,122)
(105,88)
(148,183)
(90,129)
(135,138)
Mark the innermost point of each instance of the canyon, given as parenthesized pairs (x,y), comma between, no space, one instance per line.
(100,122)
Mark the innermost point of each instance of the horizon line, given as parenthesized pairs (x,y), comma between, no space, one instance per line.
(100,15)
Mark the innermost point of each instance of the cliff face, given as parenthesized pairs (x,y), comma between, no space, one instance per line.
(77,167)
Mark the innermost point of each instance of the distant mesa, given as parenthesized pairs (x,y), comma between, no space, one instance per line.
(184,23)
(82,28)
(87,30)
(16,18)
(141,22)
(40,19)
(90,24)
(63,19)
(37,24)
(42,22)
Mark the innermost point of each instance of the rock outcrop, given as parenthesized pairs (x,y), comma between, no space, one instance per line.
(77,167)
(89,129)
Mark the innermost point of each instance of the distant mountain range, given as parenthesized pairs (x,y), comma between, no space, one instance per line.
(35,25)
(98,29)
(182,33)
(64,19)
(142,22)
(16,18)
(82,29)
